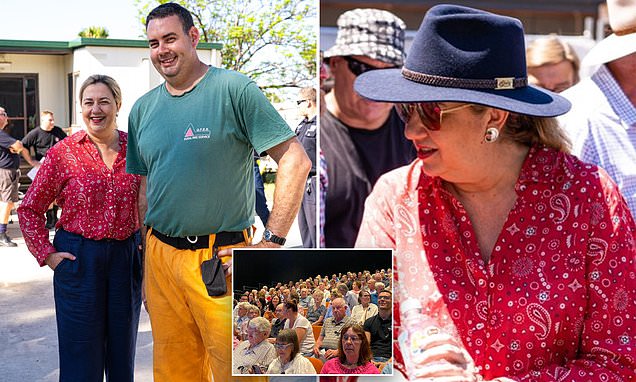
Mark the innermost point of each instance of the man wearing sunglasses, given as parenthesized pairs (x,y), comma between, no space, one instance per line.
(360,140)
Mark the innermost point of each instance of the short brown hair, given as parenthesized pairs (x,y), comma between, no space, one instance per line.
(365,347)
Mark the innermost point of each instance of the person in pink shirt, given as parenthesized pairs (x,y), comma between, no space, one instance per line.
(522,255)
(95,254)
(354,353)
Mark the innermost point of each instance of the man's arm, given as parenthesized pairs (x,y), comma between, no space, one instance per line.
(317,345)
(293,168)
(18,148)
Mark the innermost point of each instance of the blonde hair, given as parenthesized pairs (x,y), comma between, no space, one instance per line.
(529,130)
(308,93)
(549,51)
(106,80)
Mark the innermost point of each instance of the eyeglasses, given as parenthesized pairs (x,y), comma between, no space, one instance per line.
(384,297)
(300,101)
(354,339)
(429,112)
(281,346)
(359,67)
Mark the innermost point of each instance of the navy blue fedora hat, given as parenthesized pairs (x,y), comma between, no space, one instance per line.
(462,54)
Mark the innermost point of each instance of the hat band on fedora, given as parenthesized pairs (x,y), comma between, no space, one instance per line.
(500,83)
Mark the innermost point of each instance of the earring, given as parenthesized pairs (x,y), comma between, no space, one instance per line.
(491,134)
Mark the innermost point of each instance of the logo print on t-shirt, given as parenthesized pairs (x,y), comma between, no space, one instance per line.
(192,133)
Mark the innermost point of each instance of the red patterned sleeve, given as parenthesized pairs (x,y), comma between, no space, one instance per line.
(607,349)
(41,194)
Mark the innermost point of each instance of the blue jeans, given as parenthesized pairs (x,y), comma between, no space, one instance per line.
(97,305)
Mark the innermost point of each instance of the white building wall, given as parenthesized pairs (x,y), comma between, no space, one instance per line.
(51,80)
(130,67)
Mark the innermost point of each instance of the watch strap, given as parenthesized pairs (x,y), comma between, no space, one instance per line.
(271,237)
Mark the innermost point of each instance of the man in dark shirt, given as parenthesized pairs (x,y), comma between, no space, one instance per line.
(378,328)
(279,323)
(306,133)
(42,139)
(360,140)
(10,149)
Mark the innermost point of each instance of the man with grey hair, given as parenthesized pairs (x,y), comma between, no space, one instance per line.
(240,318)
(360,140)
(305,300)
(255,352)
(326,346)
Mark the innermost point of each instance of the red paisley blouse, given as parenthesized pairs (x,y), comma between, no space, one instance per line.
(97,203)
(556,302)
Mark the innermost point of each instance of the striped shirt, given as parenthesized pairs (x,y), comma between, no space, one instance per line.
(602,127)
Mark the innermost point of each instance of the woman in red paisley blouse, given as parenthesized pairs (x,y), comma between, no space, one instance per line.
(95,255)
(523,254)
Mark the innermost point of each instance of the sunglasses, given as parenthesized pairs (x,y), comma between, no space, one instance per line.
(430,113)
(358,67)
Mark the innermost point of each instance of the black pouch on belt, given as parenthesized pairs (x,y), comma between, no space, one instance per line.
(213,276)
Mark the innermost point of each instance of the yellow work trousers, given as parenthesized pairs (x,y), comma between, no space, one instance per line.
(192,332)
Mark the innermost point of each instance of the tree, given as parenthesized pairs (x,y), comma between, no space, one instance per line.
(93,32)
(271,41)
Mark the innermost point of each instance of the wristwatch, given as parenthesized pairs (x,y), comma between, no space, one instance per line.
(269,236)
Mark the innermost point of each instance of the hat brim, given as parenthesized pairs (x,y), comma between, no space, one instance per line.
(609,49)
(388,85)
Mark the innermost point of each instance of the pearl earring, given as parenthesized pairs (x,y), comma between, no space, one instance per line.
(491,134)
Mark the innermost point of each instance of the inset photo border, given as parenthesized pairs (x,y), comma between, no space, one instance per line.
(291,306)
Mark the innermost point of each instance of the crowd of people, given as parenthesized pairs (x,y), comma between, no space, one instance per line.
(123,214)
(513,229)
(500,195)
(324,325)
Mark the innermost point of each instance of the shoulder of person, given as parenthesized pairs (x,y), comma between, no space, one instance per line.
(586,99)
(230,78)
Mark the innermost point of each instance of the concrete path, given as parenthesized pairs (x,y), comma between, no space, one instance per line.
(28,335)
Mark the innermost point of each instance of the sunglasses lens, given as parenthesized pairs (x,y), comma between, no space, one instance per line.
(429,113)
(404,111)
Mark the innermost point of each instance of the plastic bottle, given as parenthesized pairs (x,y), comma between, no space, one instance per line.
(415,327)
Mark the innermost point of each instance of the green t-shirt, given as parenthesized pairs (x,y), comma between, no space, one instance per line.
(196,152)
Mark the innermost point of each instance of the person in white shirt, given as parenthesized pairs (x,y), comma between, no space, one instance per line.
(365,309)
(254,355)
(289,360)
(302,327)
